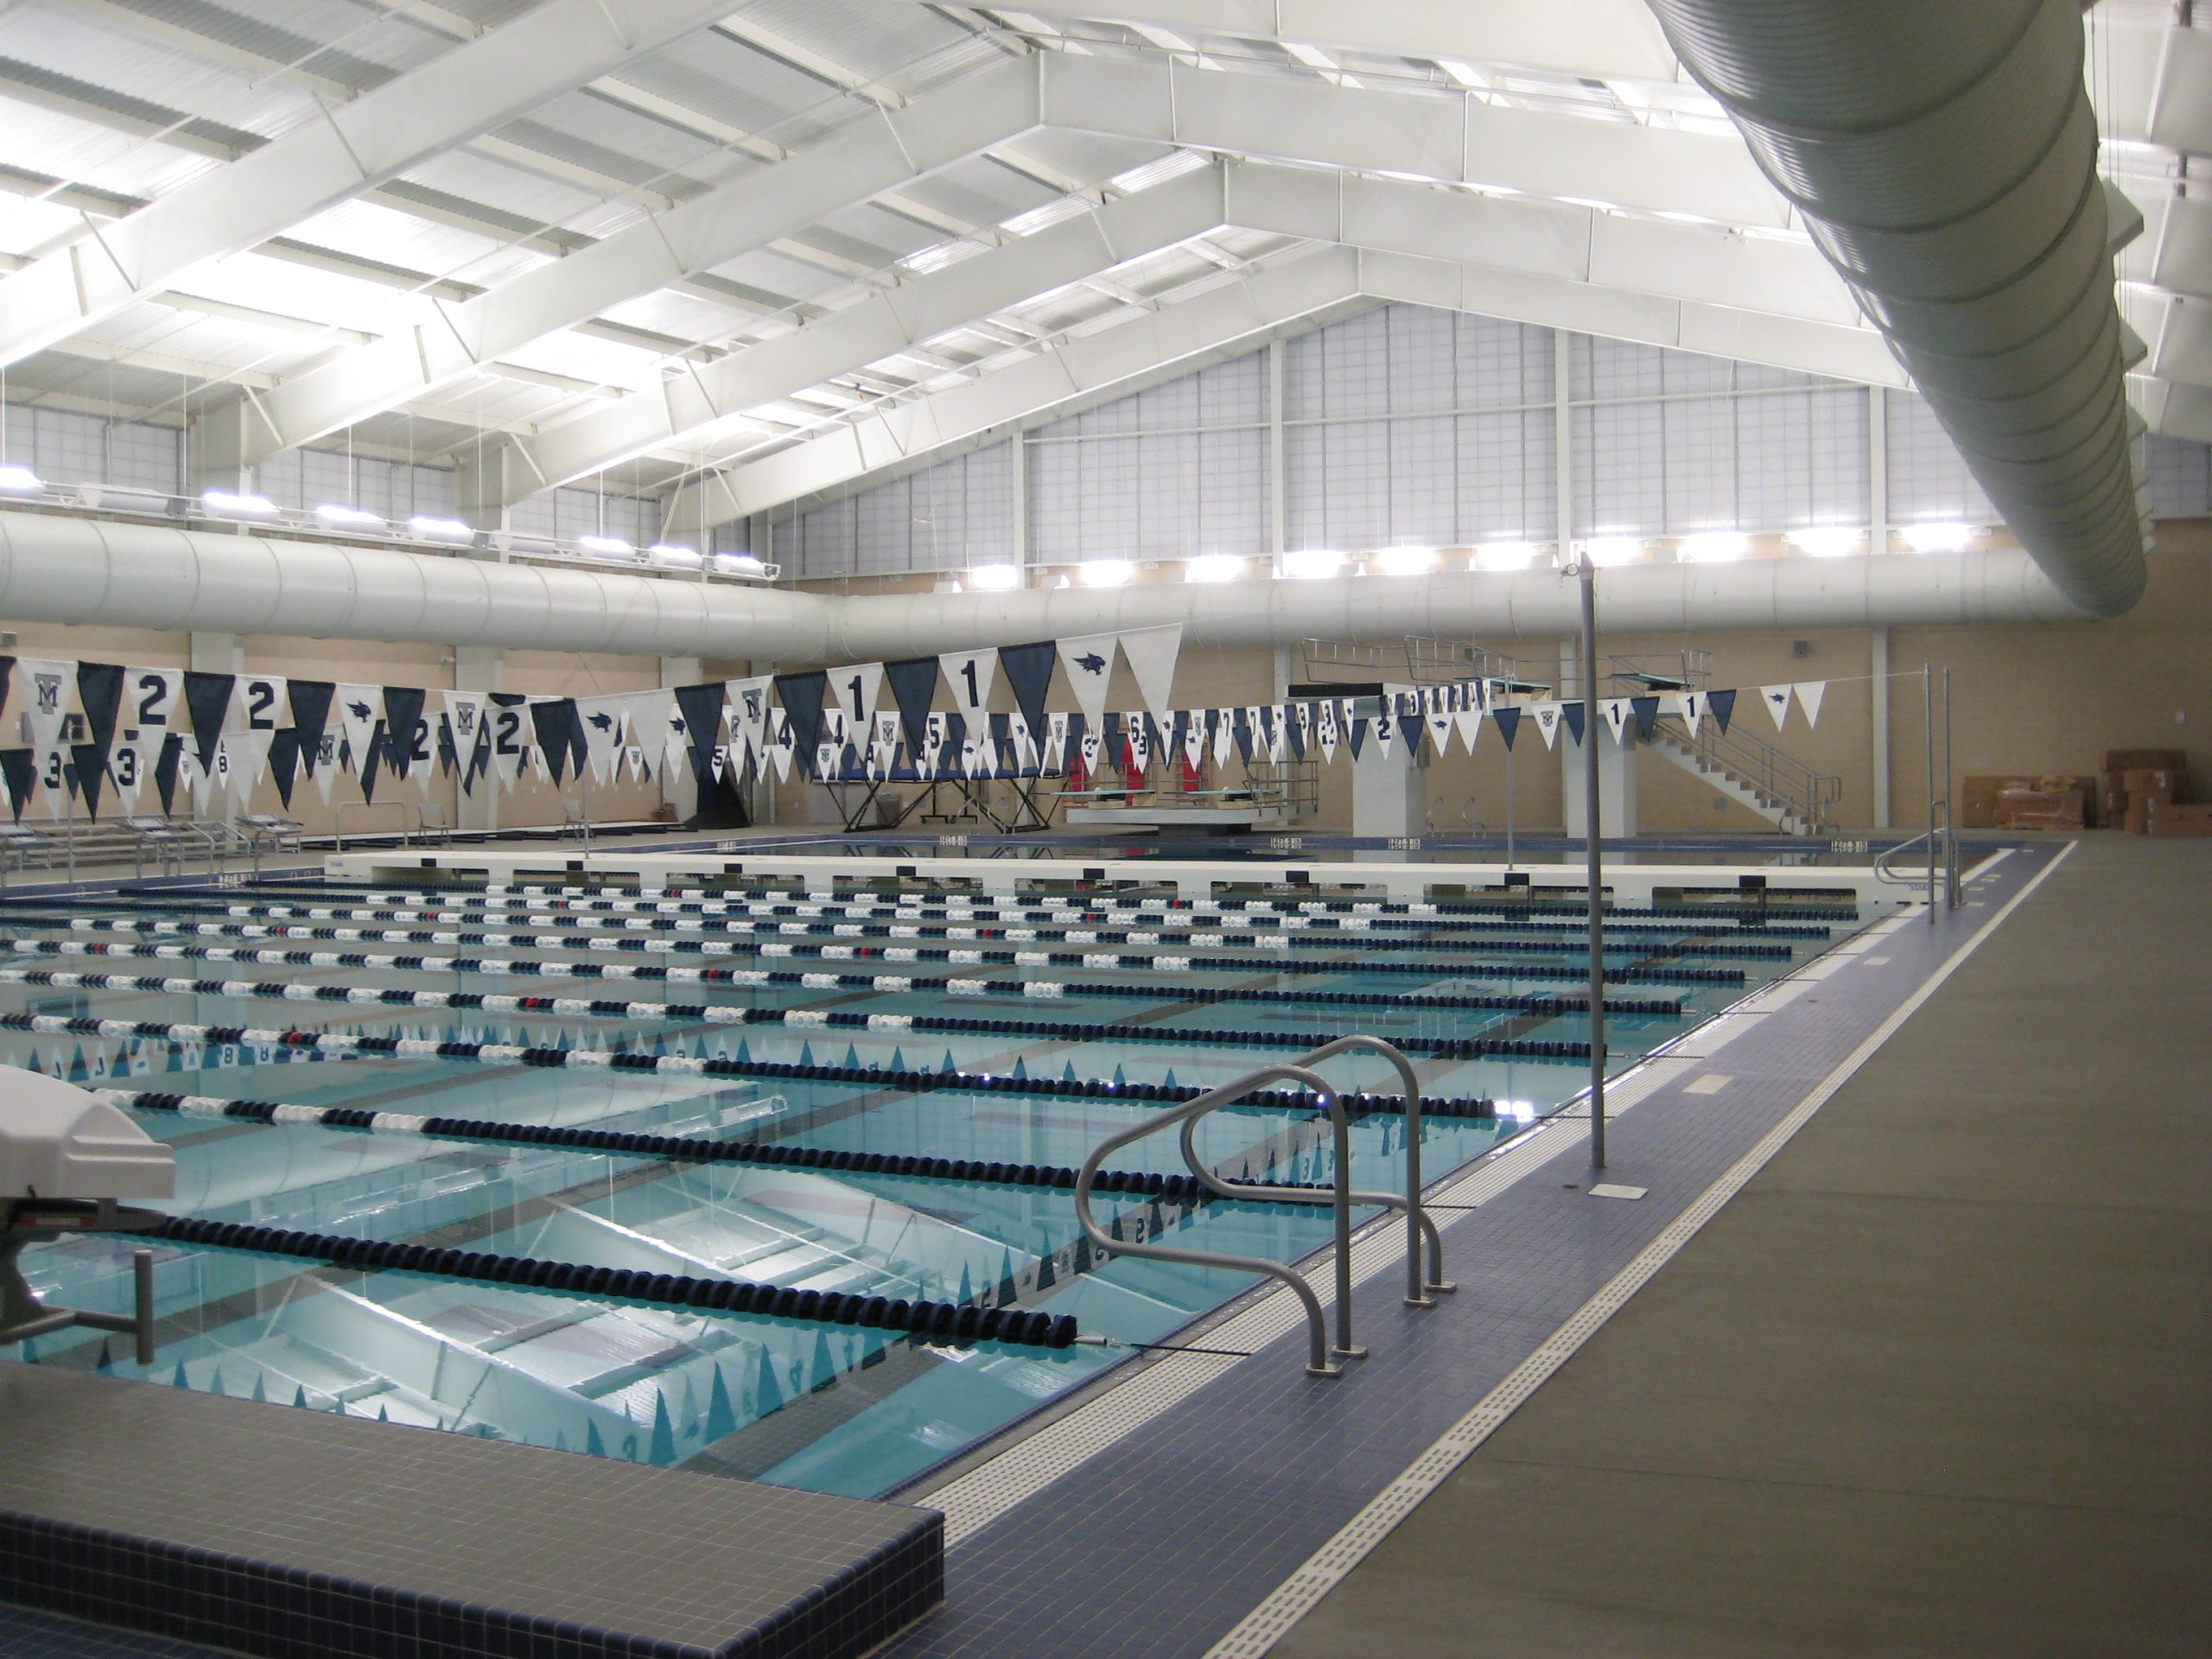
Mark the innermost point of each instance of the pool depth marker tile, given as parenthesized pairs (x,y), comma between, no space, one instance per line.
(1266,1624)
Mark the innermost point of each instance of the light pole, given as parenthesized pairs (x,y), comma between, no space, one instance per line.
(1587,572)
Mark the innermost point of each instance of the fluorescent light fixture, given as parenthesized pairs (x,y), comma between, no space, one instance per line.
(1308,564)
(1602,551)
(612,547)
(1405,561)
(1214,567)
(670,553)
(1104,573)
(1713,547)
(994,578)
(1505,555)
(1827,541)
(336,513)
(439,530)
(1937,538)
(740,564)
(224,501)
(20,478)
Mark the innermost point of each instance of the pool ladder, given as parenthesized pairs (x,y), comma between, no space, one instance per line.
(1322,1353)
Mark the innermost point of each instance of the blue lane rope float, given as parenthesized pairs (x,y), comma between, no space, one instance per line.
(1425,1002)
(673,1148)
(1451,1048)
(455,906)
(1844,908)
(754,930)
(937,1321)
(909,1080)
(1663,973)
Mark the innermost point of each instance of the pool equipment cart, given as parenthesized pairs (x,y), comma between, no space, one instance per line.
(1322,1353)
(67,1157)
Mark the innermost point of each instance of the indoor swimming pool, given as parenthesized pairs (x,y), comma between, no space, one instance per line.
(762,1180)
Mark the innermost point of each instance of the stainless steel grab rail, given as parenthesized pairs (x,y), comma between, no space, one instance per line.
(1340,1194)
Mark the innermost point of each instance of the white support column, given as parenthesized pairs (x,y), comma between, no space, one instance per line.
(678,788)
(1389,794)
(1570,653)
(1020,444)
(478,668)
(1278,499)
(1880,666)
(215,450)
(1878,543)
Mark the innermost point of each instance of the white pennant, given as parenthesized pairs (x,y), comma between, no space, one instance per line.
(465,720)
(852,690)
(325,764)
(42,688)
(1278,733)
(149,697)
(359,708)
(1440,723)
(1809,693)
(1194,739)
(1304,714)
(128,763)
(1326,731)
(1548,718)
(1151,653)
(748,713)
(510,729)
(1470,722)
(1056,742)
(1087,662)
(258,702)
(970,674)
(1139,745)
(651,718)
(1617,712)
(53,773)
(1025,747)
(1092,743)
(1693,709)
(1776,698)
(601,718)
(1384,732)
(1224,735)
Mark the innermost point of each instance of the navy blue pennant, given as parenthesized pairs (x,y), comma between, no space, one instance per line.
(209,697)
(311,701)
(700,708)
(1572,714)
(1508,721)
(283,761)
(1028,671)
(19,770)
(554,721)
(403,714)
(165,771)
(801,695)
(1720,705)
(1646,710)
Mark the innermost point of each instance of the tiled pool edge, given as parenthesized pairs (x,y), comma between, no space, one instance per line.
(856,1573)
(1200,1411)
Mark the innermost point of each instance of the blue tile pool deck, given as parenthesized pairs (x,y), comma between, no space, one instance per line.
(1161,1541)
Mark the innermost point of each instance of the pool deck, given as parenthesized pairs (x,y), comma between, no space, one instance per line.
(1936,1381)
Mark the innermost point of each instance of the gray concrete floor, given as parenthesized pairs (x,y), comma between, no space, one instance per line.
(1938,1381)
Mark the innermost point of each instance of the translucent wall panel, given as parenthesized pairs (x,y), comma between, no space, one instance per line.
(949,517)
(67,448)
(1929,482)
(1669,443)
(1175,470)
(1412,426)
(2181,478)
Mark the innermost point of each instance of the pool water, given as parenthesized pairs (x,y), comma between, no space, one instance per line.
(828,1405)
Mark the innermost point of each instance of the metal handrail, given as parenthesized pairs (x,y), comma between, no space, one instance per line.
(406,836)
(1341,1195)
(1807,793)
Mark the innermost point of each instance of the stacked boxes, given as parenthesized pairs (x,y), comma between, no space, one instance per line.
(2139,783)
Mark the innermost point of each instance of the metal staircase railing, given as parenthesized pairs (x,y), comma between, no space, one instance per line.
(1803,792)
(1420,1229)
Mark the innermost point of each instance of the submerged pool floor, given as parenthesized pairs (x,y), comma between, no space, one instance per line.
(441,1080)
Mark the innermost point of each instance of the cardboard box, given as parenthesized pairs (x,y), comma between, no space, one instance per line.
(2144,761)
(1980,798)
(2040,809)
(2168,820)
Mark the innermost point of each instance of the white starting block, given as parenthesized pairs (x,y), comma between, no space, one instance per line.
(67,1159)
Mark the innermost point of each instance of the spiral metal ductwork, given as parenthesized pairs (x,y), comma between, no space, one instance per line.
(1944,158)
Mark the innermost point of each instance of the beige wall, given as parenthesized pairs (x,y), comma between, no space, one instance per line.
(2047,698)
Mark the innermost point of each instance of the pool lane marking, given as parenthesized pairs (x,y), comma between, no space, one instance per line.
(1260,1629)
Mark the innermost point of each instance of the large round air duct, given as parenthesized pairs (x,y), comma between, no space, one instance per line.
(1944,158)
